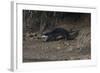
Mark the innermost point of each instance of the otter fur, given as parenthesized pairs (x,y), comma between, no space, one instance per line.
(59,33)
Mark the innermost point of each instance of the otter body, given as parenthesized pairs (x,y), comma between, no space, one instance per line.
(57,34)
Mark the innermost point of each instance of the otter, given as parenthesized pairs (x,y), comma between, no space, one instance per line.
(59,33)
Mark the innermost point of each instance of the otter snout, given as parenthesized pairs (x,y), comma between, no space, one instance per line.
(44,37)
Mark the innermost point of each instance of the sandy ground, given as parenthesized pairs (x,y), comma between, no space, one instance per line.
(35,50)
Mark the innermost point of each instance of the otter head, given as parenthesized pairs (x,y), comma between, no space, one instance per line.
(44,38)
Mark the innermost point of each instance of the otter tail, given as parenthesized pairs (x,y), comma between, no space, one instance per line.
(73,34)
